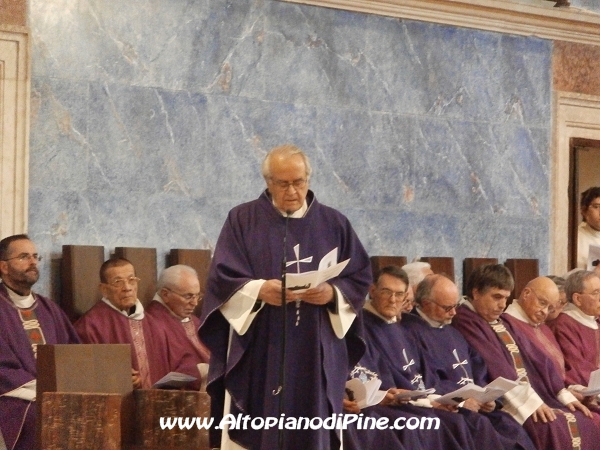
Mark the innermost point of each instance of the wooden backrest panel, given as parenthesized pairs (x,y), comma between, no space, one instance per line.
(80,278)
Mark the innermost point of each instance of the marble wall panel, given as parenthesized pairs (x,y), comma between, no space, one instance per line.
(150,120)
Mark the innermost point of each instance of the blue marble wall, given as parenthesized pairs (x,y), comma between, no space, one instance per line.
(150,120)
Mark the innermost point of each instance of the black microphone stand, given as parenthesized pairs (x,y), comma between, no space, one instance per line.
(280,389)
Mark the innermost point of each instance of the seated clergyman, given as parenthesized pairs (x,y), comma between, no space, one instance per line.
(119,318)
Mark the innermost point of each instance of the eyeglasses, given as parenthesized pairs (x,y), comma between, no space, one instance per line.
(120,282)
(187,297)
(445,308)
(25,257)
(388,294)
(285,185)
(542,302)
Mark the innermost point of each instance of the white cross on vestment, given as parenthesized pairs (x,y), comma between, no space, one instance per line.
(408,363)
(298,260)
(466,379)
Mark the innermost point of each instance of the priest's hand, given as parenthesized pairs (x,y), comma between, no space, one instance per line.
(136,379)
(270,292)
(319,295)
(390,398)
(451,408)
(544,414)
(351,406)
(472,405)
(577,405)
(487,407)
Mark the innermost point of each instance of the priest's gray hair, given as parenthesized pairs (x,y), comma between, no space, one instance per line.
(171,276)
(575,283)
(425,287)
(285,150)
(414,270)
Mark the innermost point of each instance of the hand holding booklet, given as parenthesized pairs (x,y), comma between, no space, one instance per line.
(365,394)
(489,393)
(410,395)
(328,268)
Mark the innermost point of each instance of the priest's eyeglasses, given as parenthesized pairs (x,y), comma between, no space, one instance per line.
(446,308)
(388,294)
(285,185)
(120,282)
(25,257)
(188,297)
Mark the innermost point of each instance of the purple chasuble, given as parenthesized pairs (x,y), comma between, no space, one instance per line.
(399,362)
(186,349)
(104,325)
(541,371)
(454,363)
(580,346)
(250,247)
(18,364)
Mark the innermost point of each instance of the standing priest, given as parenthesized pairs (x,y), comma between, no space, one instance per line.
(242,322)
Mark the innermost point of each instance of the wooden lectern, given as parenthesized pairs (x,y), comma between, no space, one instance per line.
(84,396)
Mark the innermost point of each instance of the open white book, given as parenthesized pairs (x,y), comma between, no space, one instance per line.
(489,393)
(174,380)
(328,268)
(365,394)
(593,385)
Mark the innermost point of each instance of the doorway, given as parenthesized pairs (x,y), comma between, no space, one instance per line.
(584,173)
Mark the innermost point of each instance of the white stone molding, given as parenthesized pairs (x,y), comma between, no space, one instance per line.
(14,129)
(575,116)
(527,17)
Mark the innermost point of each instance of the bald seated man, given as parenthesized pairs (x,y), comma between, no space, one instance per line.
(529,314)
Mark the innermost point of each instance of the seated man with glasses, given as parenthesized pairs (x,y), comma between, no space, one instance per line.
(576,329)
(514,346)
(27,319)
(119,318)
(177,295)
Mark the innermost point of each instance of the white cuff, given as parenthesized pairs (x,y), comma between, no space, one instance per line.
(238,309)
(341,321)
(565,397)
(521,402)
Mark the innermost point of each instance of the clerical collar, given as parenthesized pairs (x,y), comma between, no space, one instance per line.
(158,298)
(369,307)
(515,310)
(466,302)
(429,320)
(578,315)
(136,314)
(20,301)
(296,214)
